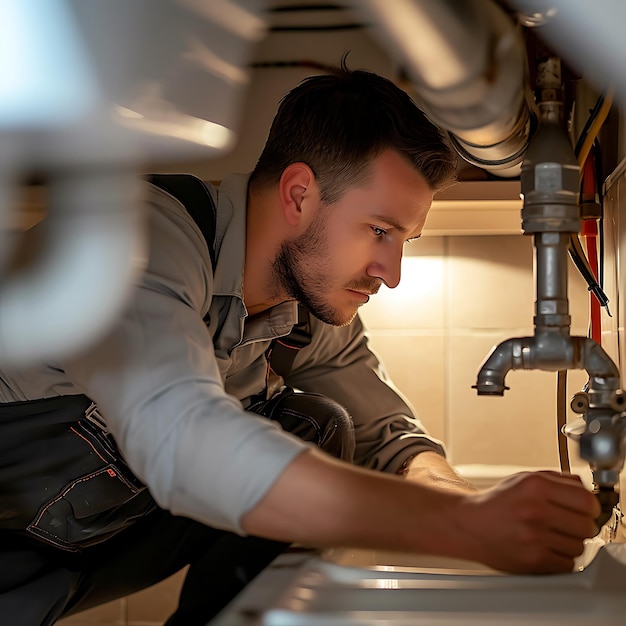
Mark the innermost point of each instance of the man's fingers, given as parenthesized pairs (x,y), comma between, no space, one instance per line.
(574,497)
(547,518)
(564,490)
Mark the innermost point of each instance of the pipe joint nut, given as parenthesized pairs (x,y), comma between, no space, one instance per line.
(490,384)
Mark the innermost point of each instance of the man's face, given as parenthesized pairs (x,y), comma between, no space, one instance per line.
(354,245)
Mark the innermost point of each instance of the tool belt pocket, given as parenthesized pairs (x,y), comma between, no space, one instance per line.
(64,481)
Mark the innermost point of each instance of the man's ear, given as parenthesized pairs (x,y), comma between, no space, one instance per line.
(297,185)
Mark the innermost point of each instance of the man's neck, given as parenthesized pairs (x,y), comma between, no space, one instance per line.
(263,237)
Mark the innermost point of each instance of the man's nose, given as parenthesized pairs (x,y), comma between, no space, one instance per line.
(387,268)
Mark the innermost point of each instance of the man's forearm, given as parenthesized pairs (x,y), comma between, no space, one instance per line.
(530,523)
(430,468)
(324,502)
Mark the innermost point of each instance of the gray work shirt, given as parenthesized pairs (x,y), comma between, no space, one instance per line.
(172,388)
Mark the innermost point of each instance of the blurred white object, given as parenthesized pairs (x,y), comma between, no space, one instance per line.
(589,35)
(89,89)
(46,78)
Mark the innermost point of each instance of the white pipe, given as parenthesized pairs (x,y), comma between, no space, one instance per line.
(467,63)
(92,252)
(81,276)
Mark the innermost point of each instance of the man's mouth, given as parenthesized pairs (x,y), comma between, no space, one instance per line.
(365,288)
(360,295)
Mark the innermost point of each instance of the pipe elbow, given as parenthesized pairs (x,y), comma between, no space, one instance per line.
(492,374)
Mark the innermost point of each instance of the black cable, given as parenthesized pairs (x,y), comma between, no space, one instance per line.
(592,284)
(582,264)
(576,252)
(592,116)
(313,28)
(309,64)
(306,7)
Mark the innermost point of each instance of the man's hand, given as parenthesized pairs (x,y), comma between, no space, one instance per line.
(432,469)
(530,523)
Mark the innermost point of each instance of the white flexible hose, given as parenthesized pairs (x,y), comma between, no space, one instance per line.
(467,65)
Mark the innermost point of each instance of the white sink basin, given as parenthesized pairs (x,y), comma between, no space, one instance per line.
(348,588)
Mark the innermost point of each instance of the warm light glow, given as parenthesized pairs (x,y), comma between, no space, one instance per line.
(178,126)
(419,292)
(125,112)
(386,583)
(421,278)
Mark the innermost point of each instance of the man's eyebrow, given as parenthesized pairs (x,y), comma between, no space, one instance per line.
(390,221)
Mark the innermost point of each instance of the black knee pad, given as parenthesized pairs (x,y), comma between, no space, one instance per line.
(312,417)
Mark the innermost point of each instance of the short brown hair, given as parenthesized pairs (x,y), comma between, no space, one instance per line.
(339,122)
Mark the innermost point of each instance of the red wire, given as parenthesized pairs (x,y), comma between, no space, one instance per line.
(589,232)
(592,255)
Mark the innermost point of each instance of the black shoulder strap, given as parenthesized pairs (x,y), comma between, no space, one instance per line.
(196,198)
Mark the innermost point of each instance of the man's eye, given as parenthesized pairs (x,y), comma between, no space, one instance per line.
(379,232)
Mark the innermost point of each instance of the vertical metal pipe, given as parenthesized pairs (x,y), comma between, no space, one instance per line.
(551,306)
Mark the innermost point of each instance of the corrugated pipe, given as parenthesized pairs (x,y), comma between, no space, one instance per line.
(467,61)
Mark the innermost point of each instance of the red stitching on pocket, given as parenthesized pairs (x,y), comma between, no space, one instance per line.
(89,444)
